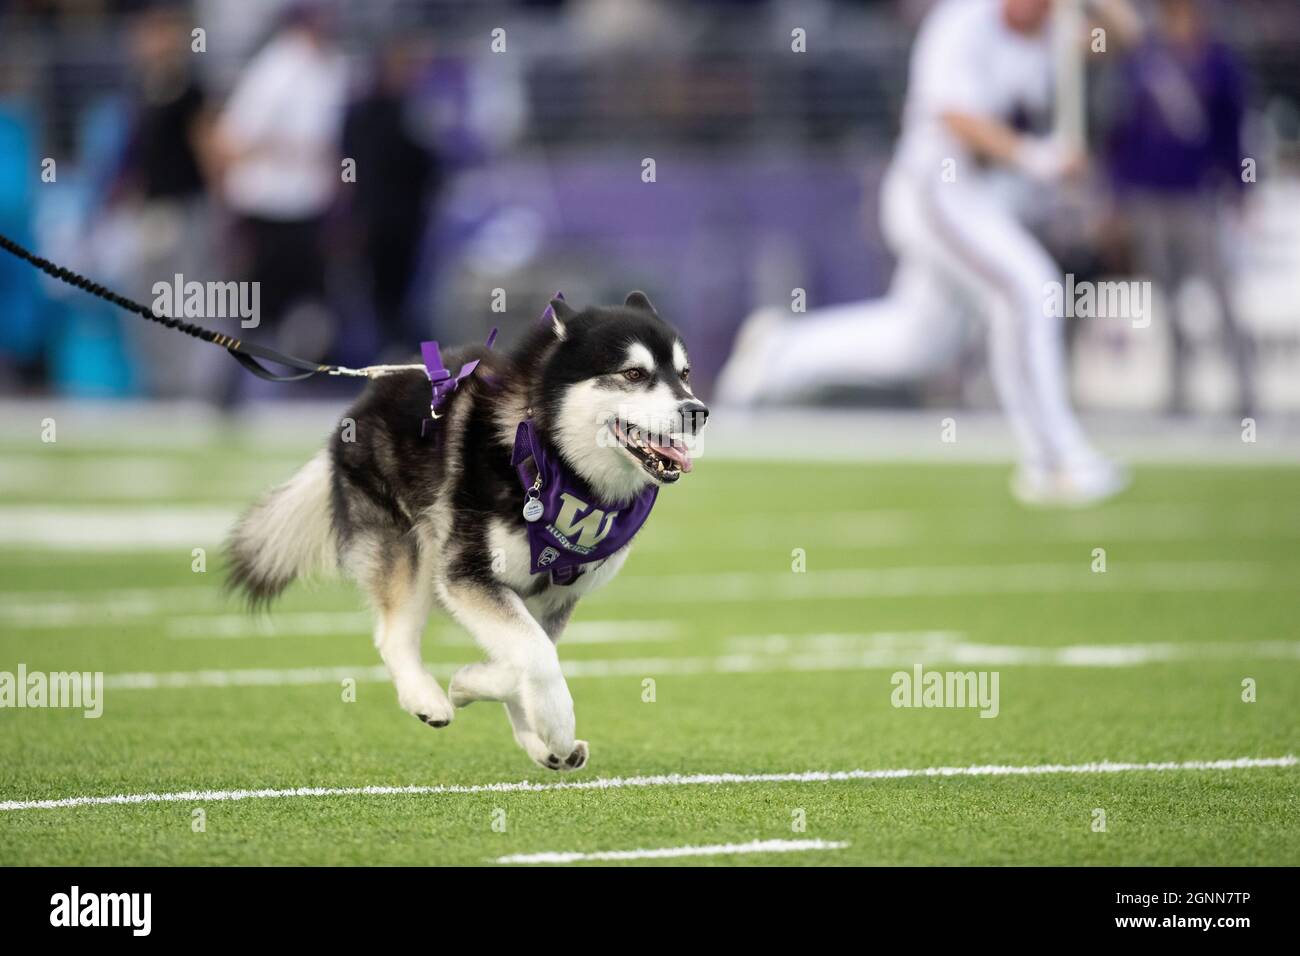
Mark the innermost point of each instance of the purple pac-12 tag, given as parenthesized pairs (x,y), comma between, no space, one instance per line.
(573,527)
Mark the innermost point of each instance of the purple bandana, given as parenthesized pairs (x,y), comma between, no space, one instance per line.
(567,526)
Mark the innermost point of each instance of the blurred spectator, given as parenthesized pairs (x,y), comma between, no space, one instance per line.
(161,200)
(1175,161)
(398,177)
(278,144)
(22,340)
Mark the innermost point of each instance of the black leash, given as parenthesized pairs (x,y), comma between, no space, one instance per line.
(245,353)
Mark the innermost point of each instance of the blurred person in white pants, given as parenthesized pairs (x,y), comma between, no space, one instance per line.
(278,145)
(950,205)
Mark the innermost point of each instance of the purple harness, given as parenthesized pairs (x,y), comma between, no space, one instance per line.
(442,381)
(568,527)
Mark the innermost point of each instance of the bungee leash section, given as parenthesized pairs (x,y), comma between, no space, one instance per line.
(245,353)
(248,353)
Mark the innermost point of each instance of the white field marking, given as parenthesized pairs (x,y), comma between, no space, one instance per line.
(52,527)
(619,632)
(1148,577)
(676,852)
(320,623)
(891,527)
(799,436)
(147,529)
(117,530)
(135,477)
(861,656)
(664,780)
(851,651)
(57,480)
(317,623)
(100,608)
(253,677)
(63,608)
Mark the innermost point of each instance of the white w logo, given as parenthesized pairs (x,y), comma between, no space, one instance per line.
(589,530)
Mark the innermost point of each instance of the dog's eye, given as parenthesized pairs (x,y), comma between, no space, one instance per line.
(686,375)
(634,374)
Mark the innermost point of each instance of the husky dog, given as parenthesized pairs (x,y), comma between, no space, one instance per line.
(596,404)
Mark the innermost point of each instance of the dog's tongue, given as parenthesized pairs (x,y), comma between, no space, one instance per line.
(677,453)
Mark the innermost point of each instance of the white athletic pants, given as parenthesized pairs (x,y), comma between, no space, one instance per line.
(957,246)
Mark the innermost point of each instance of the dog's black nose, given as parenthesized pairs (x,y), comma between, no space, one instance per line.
(694,415)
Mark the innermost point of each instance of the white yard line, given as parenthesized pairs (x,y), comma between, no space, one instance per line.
(120,479)
(854,652)
(849,583)
(797,435)
(100,607)
(665,780)
(65,608)
(870,528)
(319,623)
(676,852)
(229,626)
(131,528)
(616,632)
(130,477)
(117,530)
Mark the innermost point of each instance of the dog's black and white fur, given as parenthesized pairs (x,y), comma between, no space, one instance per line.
(417,522)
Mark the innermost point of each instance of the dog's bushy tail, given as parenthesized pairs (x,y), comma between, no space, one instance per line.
(286,535)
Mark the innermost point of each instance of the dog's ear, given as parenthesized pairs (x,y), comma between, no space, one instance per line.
(561,314)
(638,300)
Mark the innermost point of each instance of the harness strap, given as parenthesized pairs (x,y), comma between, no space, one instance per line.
(442,382)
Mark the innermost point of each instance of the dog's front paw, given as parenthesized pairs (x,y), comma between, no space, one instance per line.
(576,760)
(425,699)
(547,709)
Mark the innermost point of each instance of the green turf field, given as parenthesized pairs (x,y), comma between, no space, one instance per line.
(757,668)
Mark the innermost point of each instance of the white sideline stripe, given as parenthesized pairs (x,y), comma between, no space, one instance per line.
(318,623)
(660,780)
(955,580)
(64,608)
(904,649)
(116,530)
(859,657)
(52,526)
(799,435)
(139,478)
(675,852)
(891,527)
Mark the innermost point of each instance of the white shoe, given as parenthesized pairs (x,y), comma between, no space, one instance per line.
(743,378)
(1075,487)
